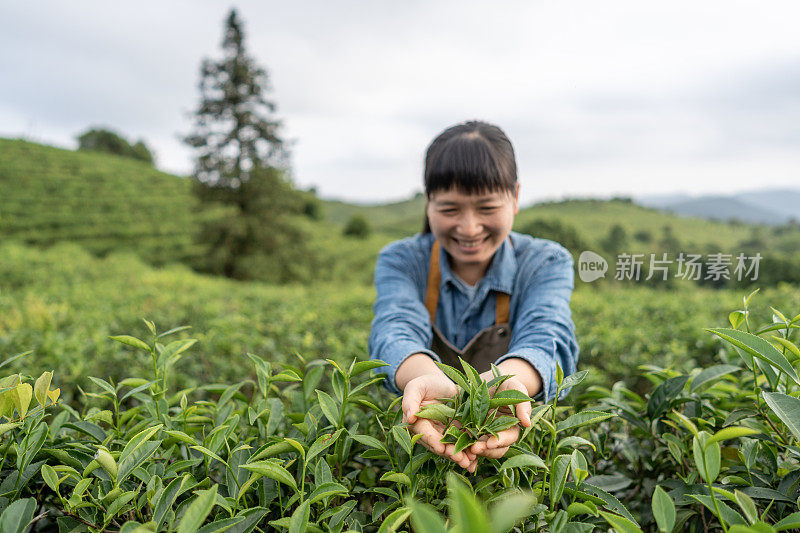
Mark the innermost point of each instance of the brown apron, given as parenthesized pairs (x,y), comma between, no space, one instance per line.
(484,348)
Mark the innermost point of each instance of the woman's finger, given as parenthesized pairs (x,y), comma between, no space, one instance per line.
(504,438)
(495,453)
(430,435)
(412,401)
(524,413)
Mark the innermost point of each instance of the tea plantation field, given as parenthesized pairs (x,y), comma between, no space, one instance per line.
(63,303)
(667,427)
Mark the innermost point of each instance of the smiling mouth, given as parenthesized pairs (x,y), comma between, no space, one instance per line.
(471,244)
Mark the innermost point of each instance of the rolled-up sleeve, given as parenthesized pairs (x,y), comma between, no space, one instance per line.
(401,324)
(542,331)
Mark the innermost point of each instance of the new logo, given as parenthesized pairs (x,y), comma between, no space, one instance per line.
(591,266)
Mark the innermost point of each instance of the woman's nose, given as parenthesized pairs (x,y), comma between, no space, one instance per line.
(469,225)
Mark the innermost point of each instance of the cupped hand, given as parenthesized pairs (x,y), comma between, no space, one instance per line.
(425,390)
(496,447)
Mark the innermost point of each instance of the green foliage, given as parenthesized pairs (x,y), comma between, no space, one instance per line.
(357,226)
(616,241)
(103,203)
(560,232)
(264,237)
(317,444)
(64,303)
(720,442)
(313,445)
(235,131)
(473,413)
(104,140)
(242,167)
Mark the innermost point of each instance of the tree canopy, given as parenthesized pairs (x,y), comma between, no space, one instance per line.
(242,165)
(105,140)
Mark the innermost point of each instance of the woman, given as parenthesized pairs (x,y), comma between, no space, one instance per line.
(468,286)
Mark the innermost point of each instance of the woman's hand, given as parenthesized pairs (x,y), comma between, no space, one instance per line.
(425,390)
(525,379)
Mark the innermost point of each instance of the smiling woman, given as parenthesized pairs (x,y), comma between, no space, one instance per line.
(468,287)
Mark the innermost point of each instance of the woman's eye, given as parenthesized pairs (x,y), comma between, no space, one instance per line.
(448,211)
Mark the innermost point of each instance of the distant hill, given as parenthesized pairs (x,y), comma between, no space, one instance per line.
(101,201)
(592,219)
(400,218)
(108,203)
(763,206)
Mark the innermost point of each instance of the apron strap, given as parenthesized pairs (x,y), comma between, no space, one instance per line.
(501,304)
(434,280)
(501,313)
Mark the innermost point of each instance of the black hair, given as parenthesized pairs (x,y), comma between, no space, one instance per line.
(472,157)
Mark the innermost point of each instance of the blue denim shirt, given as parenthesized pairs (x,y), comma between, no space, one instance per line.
(536,272)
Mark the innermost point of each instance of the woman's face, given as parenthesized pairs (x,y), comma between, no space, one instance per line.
(471,227)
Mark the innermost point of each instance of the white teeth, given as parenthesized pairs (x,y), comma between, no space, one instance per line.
(470,244)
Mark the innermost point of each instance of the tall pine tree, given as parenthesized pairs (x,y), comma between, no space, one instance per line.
(242,167)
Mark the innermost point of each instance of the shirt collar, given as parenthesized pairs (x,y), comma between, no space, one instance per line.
(500,274)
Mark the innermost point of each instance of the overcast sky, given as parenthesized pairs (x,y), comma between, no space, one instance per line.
(598,97)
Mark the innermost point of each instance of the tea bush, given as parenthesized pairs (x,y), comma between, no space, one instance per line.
(324,451)
(63,303)
(317,445)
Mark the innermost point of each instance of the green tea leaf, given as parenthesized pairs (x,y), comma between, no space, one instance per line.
(50,477)
(425,519)
(582,419)
(131,341)
(322,443)
(663,510)
(501,423)
(574,441)
(437,411)
(299,520)
(472,374)
(573,379)
(507,512)
(464,441)
(480,404)
(329,407)
(747,505)
(711,374)
(731,432)
(8,427)
(788,522)
(707,459)
(455,376)
(137,441)
(466,512)
(395,520)
(663,394)
(524,460)
(396,477)
(729,515)
(508,397)
(326,490)
(208,453)
(198,510)
(402,437)
(787,408)
(757,347)
(370,442)
(364,366)
(272,470)
(17,516)
(558,477)
(620,523)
